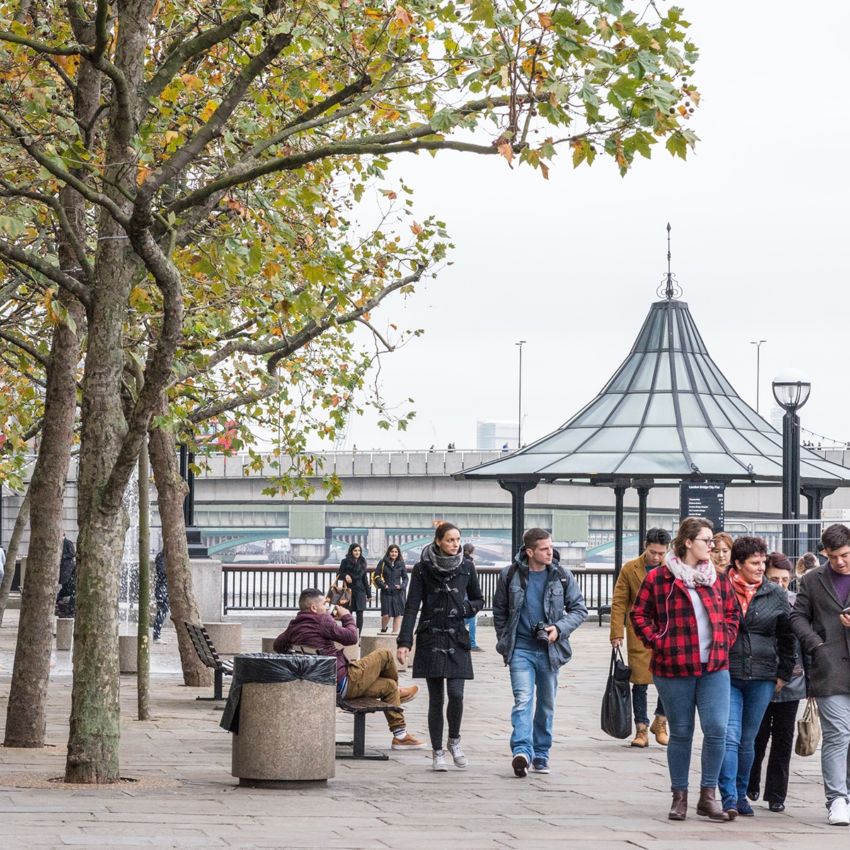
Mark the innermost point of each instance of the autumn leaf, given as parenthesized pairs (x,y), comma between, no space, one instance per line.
(416,228)
(506,150)
(545,19)
(402,17)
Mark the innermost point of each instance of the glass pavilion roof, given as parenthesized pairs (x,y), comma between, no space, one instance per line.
(668,412)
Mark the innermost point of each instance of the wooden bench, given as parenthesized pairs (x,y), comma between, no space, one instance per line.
(206,652)
(359,707)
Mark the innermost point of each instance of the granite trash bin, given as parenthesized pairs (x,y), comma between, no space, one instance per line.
(282,712)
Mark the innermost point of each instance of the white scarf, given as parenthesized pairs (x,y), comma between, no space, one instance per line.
(703,573)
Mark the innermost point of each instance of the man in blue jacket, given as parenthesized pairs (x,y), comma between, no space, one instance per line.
(537,606)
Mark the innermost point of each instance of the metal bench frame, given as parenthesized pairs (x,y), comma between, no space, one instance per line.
(206,652)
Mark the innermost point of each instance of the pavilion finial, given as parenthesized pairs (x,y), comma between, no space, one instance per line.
(669,288)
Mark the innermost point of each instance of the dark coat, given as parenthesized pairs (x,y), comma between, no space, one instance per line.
(815,622)
(442,641)
(391,580)
(765,646)
(67,561)
(361,590)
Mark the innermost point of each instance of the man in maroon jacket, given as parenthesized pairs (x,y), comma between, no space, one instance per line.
(376,675)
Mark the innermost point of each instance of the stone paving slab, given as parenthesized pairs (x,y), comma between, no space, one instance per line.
(601,793)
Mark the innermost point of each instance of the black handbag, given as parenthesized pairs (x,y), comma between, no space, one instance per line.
(617,700)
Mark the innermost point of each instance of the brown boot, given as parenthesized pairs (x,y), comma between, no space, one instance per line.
(659,729)
(407,694)
(679,809)
(709,807)
(641,738)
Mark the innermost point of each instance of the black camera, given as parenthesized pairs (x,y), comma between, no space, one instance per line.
(540,632)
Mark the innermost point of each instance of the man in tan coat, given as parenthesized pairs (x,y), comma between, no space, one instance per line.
(625,593)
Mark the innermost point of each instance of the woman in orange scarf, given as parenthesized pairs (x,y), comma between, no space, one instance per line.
(760,663)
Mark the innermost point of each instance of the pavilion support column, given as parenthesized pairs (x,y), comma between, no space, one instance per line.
(815,497)
(517,489)
(643,496)
(619,499)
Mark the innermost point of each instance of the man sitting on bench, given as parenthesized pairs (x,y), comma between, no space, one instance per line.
(376,675)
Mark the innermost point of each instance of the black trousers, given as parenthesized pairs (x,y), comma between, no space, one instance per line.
(778,723)
(358,618)
(454,711)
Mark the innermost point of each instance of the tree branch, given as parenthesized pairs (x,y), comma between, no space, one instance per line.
(59,277)
(28,349)
(184,156)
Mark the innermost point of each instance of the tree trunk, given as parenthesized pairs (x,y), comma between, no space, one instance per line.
(12,554)
(171,489)
(143,660)
(26,719)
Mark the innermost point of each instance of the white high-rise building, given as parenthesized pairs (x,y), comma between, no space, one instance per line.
(494,436)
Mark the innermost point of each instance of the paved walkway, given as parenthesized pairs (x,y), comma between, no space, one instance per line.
(601,794)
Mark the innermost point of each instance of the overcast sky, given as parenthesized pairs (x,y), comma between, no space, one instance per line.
(760,234)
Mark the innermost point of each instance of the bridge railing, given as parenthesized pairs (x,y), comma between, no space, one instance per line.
(276,587)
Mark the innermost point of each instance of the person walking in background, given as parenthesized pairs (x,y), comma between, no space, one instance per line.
(353,571)
(445,586)
(686,614)
(721,553)
(536,607)
(161,595)
(807,562)
(761,663)
(821,621)
(779,720)
(470,622)
(391,580)
(66,598)
(625,592)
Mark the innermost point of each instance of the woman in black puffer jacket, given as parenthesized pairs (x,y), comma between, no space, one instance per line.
(761,662)
(445,585)
(355,574)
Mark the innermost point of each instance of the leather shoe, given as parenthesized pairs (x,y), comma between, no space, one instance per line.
(709,807)
(776,806)
(679,808)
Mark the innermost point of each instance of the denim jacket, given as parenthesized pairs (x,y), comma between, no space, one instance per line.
(565,614)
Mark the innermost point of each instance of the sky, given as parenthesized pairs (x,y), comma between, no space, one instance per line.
(571,265)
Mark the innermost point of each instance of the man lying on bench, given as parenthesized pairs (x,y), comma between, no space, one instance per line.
(376,675)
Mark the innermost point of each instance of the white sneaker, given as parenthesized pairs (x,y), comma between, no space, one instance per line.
(457,753)
(839,812)
(439,763)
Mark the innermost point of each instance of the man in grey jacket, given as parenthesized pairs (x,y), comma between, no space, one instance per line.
(536,608)
(821,621)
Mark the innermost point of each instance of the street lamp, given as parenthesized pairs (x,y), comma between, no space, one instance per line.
(519,345)
(758,343)
(791,389)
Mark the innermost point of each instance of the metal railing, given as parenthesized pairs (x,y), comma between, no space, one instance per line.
(276,587)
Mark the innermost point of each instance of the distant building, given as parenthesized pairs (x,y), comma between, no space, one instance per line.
(491,436)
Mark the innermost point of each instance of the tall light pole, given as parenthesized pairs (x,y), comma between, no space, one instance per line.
(791,390)
(519,345)
(758,343)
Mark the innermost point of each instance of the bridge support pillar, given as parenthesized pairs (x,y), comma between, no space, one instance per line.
(517,489)
(376,543)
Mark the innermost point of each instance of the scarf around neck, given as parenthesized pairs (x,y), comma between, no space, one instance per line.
(701,574)
(743,589)
(443,564)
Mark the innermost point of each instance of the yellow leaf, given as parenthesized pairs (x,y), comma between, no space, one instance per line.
(374,14)
(208,110)
(142,174)
(402,17)
(192,82)
(507,151)
(545,19)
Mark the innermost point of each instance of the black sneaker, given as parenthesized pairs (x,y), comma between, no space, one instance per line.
(520,766)
(540,765)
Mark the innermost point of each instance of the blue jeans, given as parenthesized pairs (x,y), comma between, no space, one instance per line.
(532,724)
(709,695)
(639,706)
(470,627)
(748,701)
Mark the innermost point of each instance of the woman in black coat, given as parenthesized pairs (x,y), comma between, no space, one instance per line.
(391,580)
(353,571)
(444,584)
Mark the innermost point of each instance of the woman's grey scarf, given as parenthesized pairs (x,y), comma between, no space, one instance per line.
(445,564)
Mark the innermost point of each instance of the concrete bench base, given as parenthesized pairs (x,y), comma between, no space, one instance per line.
(371,642)
(226,637)
(64,633)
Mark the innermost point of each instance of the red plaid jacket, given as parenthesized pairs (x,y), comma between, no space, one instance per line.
(664,619)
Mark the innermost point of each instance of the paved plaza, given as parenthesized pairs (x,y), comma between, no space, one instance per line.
(601,794)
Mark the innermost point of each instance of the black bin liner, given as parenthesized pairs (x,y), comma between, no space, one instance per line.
(271,667)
